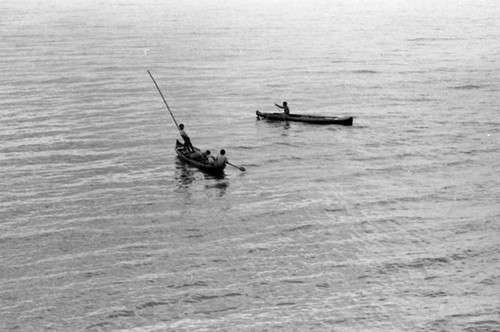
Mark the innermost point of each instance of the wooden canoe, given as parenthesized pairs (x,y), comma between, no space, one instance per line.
(315,119)
(203,165)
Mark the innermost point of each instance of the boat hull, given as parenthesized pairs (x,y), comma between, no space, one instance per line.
(181,153)
(314,119)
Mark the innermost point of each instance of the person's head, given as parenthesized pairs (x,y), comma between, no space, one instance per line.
(222,152)
(181,126)
(207,152)
(284,103)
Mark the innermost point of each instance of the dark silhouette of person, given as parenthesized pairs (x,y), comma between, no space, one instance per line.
(284,107)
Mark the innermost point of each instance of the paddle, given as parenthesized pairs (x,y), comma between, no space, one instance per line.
(283,115)
(241,168)
(161,94)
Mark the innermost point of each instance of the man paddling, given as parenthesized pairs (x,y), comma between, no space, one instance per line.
(284,108)
(185,137)
(221,159)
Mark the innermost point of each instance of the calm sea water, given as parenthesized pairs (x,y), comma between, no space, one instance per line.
(389,225)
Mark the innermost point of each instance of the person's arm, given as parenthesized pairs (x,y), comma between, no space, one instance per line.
(279,106)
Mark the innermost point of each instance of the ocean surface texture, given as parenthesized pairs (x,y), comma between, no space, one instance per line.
(389,225)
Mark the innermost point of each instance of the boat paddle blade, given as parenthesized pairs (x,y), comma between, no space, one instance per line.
(241,168)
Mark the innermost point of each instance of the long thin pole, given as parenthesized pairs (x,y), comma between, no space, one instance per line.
(161,94)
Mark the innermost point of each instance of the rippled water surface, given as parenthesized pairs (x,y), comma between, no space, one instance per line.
(388,225)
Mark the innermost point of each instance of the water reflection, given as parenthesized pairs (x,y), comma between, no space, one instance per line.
(186,175)
(278,124)
(183,174)
(219,183)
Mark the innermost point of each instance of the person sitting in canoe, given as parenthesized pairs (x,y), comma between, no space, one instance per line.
(209,159)
(197,155)
(284,108)
(221,159)
(204,157)
(187,141)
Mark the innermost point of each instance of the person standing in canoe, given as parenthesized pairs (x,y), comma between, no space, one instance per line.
(284,108)
(187,141)
(221,159)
